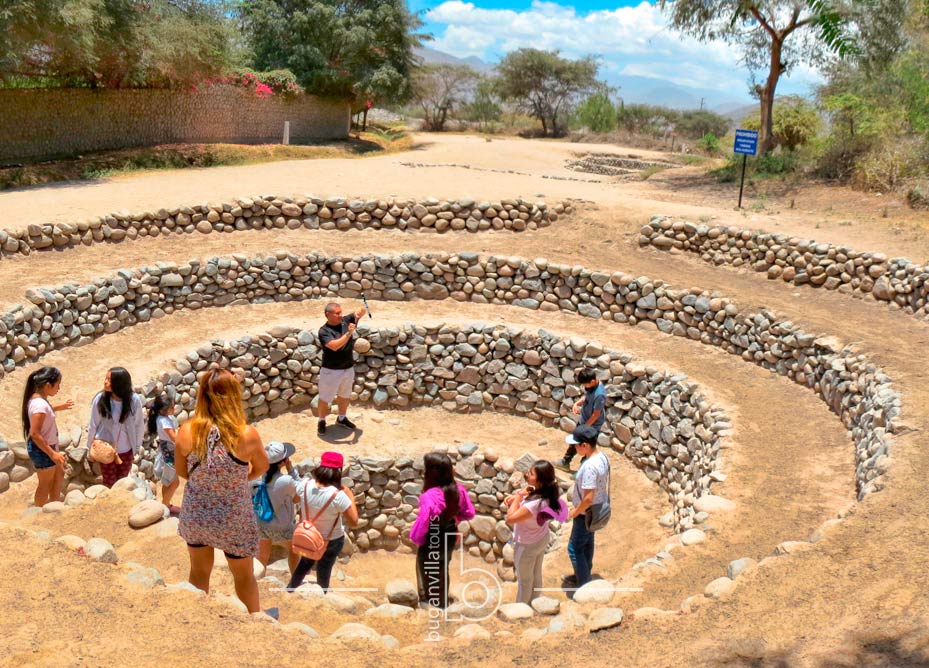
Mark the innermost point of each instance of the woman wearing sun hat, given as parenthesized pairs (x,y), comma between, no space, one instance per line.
(282,488)
(327,494)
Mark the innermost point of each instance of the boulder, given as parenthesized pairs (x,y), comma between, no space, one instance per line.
(514,612)
(595,592)
(692,537)
(472,632)
(100,549)
(402,592)
(74,498)
(719,588)
(736,566)
(96,491)
(146,577)
(604,618)
(53,507)
(546,605)
(75,543)
(389,611)
(353,631)
(302,628)
(146,513)
(709,503)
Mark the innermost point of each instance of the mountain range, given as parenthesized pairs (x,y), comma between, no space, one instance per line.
(632,89)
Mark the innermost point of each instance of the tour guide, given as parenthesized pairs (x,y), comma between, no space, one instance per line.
(338,373)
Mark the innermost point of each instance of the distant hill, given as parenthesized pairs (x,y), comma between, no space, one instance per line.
(434,57)
(632,89)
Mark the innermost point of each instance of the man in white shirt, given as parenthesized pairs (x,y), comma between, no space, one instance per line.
(591,486)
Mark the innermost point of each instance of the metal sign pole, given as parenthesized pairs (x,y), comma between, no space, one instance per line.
(742,182)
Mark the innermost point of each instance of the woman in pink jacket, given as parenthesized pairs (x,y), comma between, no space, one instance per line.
(442,505)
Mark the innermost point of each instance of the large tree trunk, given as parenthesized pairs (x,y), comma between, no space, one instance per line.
(766,95)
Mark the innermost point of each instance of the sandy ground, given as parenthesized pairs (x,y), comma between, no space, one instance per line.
(852,599)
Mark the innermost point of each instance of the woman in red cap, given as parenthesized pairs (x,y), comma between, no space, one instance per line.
(327,494)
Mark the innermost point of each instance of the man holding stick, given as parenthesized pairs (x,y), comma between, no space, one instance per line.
(337,375)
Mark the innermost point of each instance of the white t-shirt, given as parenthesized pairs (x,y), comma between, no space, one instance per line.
(594,474)
(316,498)
(163,422)
(49,430)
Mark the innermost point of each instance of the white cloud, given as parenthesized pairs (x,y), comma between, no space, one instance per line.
(632,40)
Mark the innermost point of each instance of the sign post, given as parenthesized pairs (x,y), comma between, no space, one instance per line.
(746,143)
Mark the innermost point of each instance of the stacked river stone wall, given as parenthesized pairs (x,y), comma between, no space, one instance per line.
(657,419)
(903,283)
(306,212)
(854,388)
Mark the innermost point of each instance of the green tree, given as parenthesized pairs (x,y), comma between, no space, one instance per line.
(441,89)
(543,84)
(696,123)
(796,122)
(775,35)
(647,119)
(597,112)
(355,49)
(484,108)
(112,43)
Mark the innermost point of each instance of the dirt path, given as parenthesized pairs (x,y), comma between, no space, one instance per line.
(852,599)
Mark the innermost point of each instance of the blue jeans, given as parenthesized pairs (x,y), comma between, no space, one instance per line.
(581,550)
(323,566)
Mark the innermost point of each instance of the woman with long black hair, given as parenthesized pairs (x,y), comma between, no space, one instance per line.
(442,505)
(529,512)
(41,431)
(116,416)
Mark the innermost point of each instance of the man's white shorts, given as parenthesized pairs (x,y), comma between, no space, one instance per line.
(335,383)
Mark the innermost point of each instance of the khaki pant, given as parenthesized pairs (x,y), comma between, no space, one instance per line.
(528,562)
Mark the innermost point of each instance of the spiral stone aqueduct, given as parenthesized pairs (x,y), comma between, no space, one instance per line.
(481,321)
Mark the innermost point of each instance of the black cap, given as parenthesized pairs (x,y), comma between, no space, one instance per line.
(583,434)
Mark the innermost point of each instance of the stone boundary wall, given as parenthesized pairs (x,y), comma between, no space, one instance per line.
(48,123)
(854,388)
(798,261)
(304,212)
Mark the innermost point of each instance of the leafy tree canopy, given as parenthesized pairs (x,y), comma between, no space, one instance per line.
(359,49)
(543,84)
(112,43)
(440,90)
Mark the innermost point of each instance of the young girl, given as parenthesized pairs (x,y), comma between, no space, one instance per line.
(41,431)
(282,483)
(163,426)
(530,511)
(442,505)
(116,416)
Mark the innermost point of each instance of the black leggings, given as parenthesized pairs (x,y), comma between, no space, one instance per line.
(323,569)
(432,559)
(228,556)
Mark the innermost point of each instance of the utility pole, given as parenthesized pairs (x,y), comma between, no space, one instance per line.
(702,99)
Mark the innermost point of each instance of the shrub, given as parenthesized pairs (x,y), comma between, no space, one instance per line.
(596,113)
(796,122)
(709,143)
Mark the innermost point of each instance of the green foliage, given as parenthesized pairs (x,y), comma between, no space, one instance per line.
(112,43)
(357,49)
(697,123)
(543,84)
(280,82)
(796,122)
(440,90)
(484,107)
(646,119)
(597,113)
(709,143)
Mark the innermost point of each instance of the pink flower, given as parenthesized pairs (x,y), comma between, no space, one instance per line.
(263,90)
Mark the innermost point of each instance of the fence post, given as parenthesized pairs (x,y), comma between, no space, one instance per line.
(286,133)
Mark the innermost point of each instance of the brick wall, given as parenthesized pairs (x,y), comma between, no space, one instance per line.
(47,123)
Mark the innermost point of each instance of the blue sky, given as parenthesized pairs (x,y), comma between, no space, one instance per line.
(630,36)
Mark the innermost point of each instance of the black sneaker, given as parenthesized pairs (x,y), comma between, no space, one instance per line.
(345,422)
(321,427)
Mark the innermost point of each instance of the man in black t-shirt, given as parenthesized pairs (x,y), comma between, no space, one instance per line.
(337,375)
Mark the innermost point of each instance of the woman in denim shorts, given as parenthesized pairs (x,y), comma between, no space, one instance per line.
(41,432)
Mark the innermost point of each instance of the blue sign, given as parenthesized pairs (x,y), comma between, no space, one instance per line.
(746,142)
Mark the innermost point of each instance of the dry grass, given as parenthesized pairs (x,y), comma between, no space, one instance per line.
(184,156)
